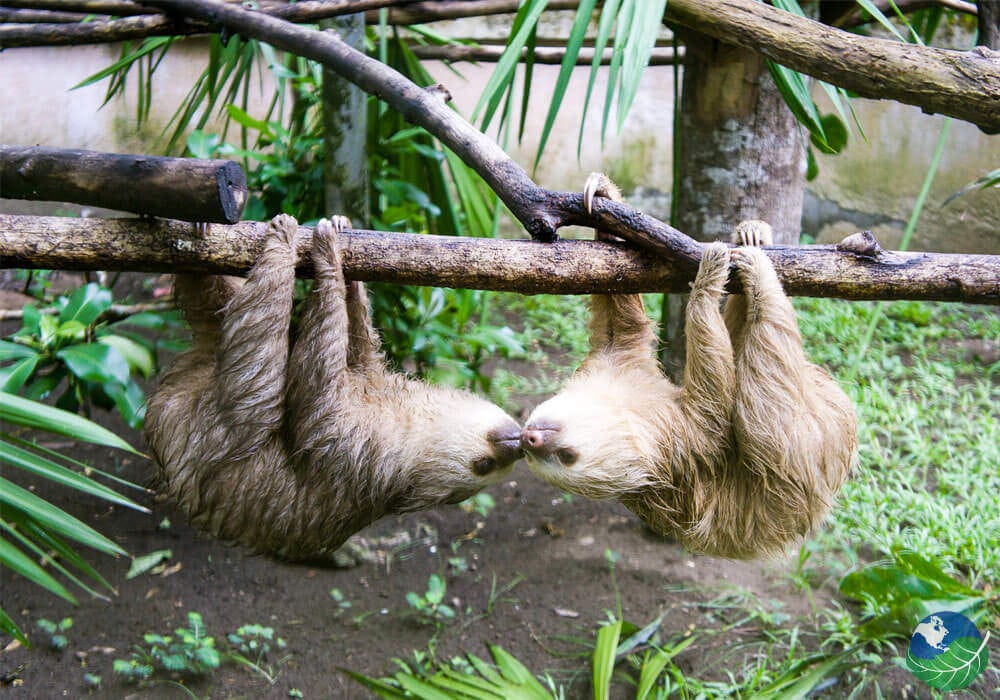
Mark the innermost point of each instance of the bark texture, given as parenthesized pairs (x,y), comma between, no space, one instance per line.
(345,129)
(859,270)
(179,188)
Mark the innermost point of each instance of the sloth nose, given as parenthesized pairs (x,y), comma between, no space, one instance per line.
(540,439)
(506,443)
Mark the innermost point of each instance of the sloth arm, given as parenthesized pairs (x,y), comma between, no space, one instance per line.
(771,365)
(318,373)
(248,390)
(709,389)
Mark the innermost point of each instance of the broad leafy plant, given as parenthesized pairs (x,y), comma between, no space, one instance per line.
(33,531)
(68,349)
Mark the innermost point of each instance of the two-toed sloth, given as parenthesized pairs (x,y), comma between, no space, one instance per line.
(741,460)
(290,446)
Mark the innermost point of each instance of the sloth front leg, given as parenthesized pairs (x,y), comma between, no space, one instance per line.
(317,376)
(249,387)
(709,375)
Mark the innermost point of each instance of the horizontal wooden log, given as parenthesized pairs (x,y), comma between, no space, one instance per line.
(179,188)
(528,267)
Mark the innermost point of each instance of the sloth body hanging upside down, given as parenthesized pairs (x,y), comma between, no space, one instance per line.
(290,447)
(741,460)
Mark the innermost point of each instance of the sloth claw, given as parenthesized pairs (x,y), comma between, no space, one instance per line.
(284,227)
(326,243)
(599,185)
(753,232)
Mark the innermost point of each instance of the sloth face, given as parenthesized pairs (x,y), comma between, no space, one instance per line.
(459,445)
(587,440)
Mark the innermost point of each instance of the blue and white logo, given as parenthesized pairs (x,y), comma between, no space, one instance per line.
(946,651)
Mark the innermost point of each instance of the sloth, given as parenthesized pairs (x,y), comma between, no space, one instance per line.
(289,446)
(741,460)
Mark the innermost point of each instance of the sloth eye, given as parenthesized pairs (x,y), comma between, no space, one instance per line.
(567,456)
(483,466)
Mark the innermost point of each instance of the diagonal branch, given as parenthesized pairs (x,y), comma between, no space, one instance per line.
(856,269)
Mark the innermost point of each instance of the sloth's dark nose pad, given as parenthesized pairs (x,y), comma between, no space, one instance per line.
(506,445)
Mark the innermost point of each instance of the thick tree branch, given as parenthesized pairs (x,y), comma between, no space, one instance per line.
(857,271)
(960,84)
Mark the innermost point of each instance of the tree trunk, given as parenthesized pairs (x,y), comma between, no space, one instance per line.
(738,155)
(345,120)
(989,24)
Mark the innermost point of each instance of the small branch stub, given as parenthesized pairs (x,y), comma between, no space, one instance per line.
(192,189)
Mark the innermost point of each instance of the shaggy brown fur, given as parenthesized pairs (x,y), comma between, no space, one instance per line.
(745,457)
(290,448)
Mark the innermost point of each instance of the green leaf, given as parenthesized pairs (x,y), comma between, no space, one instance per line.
(604,658)
(640,42)
(11,629)
(95,362)
(86,304)
(514,671)
(144,563)
(56,473)
(15,351)
(990,179)
(577,34)
(435,589)
(14,559)
(502,77)
(835,132)
(140,359)
(13,377)
(130,402)
(48,515)
(148,46)
(32,414)
(241,117)
(383,690)
(956,668)
(609,12)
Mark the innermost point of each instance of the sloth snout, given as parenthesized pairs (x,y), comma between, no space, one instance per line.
(506,443)
(541,439)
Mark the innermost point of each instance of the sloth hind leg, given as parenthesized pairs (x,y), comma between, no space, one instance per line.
(363,351)
(253,349)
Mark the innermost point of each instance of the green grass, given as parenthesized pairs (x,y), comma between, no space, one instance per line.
(928,426)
